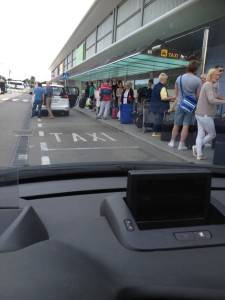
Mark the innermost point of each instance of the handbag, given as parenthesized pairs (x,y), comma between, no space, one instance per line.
(188,103)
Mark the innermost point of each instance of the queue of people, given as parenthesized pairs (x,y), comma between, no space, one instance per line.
(204,89)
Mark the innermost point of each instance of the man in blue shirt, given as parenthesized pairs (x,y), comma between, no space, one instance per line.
(38,100)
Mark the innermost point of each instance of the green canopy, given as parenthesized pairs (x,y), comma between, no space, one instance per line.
(135,64)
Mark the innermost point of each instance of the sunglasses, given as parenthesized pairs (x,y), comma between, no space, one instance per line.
(221,71)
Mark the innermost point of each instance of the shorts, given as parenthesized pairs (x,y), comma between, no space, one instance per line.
(183,118)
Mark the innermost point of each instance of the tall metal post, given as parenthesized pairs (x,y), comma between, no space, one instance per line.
(204,49)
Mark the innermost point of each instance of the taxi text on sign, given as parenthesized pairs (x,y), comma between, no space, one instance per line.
(168,54)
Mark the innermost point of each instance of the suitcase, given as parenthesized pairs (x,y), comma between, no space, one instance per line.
(147,117)
(114,112)
(219,156)
(82,102)
(192,135)
(167,126)
(219,143)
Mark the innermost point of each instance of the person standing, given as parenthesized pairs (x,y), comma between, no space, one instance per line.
(127,96)
(106,96)
(149,90)
(191,86)
(48,95)
(115,98)
(160,102)
(39,96)
(86,89)
(220,108)
(119,92)
(91,95)
(205,113)
(203,78)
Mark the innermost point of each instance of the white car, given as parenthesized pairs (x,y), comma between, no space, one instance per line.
(60,100)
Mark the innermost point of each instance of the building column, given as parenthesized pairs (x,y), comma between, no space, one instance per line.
(204,49)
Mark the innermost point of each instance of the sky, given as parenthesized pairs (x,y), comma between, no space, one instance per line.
(34,32)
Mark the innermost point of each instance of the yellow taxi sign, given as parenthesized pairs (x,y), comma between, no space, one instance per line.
(168,54)
(164,53)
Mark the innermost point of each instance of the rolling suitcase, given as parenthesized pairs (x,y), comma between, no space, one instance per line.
(82,102)
(192,134)
(114,112)
(167,126)
(219,156)
(219,143)
(147,117)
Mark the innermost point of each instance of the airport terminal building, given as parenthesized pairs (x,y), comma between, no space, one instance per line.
(135,40)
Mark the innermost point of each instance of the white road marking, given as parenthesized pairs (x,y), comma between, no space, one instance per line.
(43,146)
(23,134)
(45,160)
(4,99)
(25,100)
(95,138)
(56,134)
(77,137)
(39,125)
(15,100)
(109,137)
(91,148)
(41,133)
(22,157)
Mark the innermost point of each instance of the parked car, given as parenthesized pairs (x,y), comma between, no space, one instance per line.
(60,100)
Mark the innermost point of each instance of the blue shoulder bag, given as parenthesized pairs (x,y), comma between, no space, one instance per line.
(188,103)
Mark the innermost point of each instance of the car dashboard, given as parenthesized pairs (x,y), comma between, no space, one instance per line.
(77,232)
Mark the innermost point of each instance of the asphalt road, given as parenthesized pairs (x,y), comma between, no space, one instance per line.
(77,138)
(13,110)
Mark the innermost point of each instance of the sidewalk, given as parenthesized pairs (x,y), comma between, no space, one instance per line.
(132,130)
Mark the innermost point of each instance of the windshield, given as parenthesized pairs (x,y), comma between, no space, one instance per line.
(112,150)
(118,75)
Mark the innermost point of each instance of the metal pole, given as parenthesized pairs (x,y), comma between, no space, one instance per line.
(204,49)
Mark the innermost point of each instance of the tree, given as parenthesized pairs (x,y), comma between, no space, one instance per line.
(2,77)
(31,81)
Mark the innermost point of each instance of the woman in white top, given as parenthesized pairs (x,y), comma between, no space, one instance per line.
(127,96)
(206,111)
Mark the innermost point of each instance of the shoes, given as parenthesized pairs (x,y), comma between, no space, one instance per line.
(156,135)
(104,118)
(98,117)
(51,117)
(171,144)
(182,147)
(194,150)
(201,157)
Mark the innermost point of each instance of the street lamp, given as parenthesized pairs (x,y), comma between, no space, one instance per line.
(9,91)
